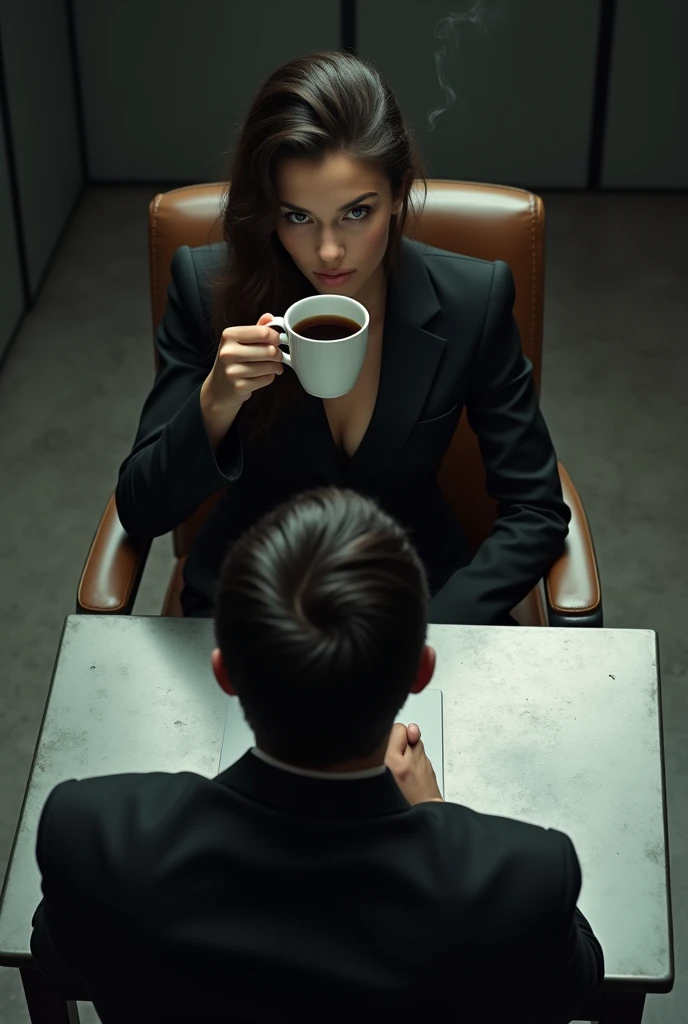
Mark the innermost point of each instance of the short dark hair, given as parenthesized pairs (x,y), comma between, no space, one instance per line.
(321,617)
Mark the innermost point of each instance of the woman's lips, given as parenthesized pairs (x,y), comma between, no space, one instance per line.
(334,280)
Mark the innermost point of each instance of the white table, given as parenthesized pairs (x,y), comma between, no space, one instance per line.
(561,727)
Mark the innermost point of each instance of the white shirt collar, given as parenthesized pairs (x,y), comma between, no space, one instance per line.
(365,773)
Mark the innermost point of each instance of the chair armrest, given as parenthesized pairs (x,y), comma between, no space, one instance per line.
(112,573)
(572,585)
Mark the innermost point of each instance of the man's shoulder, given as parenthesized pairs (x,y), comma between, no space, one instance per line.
(106,796)
(118,819)
(532,865)
(503,835)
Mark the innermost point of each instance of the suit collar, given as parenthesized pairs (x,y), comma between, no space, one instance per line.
(411,355)
(365,773)
(315,798)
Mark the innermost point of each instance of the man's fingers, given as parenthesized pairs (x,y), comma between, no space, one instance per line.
(398,738)
(413,732)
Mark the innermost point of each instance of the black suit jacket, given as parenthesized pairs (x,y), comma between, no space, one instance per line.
(265,896)
(450,340)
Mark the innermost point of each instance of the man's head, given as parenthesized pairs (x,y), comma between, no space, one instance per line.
(320,622)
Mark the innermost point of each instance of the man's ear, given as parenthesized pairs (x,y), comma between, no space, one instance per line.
(426,669)
(220,672)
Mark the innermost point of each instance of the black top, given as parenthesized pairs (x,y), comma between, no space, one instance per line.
(265,896)
(450,340)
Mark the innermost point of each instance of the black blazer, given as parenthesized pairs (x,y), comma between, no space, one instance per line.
(265,896)
(450,340)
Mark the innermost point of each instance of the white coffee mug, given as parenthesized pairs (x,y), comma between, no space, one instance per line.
(326,369)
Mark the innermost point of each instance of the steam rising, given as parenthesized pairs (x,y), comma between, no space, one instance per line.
(447,28)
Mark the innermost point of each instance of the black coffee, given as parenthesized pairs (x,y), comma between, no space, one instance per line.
(326,328)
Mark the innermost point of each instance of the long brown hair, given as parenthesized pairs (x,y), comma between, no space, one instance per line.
(324,102)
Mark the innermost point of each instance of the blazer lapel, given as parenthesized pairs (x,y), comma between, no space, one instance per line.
(411,355)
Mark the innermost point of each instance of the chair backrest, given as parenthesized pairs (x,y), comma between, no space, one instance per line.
(486,221)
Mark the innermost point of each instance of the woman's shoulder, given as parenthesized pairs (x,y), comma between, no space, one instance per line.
(195,269)
(457,280)
(451,262)
(205,260)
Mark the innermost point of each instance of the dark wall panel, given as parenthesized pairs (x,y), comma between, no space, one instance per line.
(165,82)
(646,141)
(43,122)
(524,85)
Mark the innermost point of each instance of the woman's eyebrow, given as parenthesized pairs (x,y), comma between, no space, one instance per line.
(358,199)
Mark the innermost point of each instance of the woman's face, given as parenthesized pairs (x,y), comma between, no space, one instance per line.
(331,232)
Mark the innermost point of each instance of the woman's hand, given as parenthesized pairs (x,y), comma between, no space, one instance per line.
(247,359)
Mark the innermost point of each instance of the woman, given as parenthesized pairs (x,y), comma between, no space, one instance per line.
(320,184)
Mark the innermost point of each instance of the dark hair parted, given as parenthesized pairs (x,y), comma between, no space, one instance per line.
(321,618)
(321,104)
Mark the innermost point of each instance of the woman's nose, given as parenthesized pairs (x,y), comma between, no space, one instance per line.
(330,253)
(329,249)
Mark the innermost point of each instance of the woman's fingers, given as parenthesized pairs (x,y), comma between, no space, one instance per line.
(232,351)
(239,371)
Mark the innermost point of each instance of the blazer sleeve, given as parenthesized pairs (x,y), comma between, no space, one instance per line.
(49,947)
(576,967)
(172,467)
(521,475)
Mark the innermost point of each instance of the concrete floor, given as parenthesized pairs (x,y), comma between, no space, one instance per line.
(615,394)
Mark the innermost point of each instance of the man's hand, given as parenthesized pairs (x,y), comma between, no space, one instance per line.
(410,765)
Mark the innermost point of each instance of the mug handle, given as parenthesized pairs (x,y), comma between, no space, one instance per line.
(278,321)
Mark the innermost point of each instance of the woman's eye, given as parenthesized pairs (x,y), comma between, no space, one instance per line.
(296,223)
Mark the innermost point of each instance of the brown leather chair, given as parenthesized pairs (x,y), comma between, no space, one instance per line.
(486,221)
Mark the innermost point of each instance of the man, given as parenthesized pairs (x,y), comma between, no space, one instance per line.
(320,877)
